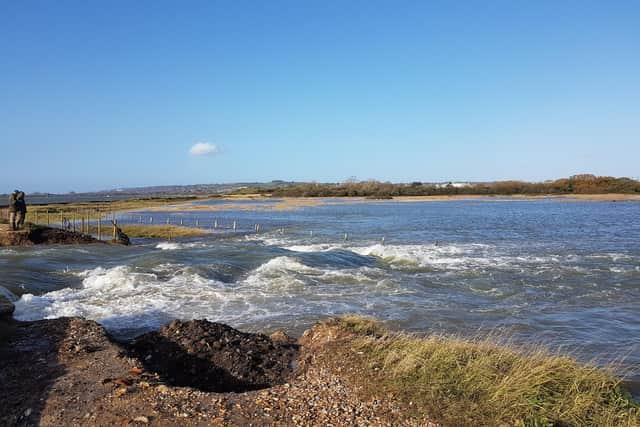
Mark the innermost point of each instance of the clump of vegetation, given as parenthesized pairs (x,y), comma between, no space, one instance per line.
(483,382)
(359,325)
(161,231)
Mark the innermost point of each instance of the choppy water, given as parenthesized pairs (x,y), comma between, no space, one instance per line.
(566,274)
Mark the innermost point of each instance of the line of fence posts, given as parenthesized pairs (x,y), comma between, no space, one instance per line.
(82,220)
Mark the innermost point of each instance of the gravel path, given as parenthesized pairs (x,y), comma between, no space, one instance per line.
(67,372)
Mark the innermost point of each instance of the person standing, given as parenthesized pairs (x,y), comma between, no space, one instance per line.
(13,202)
(21,210)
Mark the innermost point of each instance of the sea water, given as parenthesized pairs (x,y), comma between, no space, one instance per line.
(564,274)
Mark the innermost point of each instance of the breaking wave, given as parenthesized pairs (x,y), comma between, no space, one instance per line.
(172,246)
(126,298)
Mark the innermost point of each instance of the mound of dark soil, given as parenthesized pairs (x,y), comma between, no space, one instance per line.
(46,235)
(216,357)
(41,235)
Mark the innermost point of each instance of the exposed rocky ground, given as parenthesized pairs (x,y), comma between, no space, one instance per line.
(69,372)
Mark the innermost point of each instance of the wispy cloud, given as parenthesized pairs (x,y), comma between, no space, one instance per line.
(203,149)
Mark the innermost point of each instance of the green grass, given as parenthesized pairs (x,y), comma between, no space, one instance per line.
(460,382)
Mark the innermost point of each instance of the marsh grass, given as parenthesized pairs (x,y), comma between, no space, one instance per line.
(484,381)
(151,231)
(93,210)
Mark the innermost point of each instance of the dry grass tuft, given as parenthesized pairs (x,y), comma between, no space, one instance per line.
(359,325)
(483,382)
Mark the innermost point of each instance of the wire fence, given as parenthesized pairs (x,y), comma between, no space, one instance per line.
(102,223)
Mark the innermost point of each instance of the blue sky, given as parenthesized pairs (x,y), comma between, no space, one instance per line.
(98,95)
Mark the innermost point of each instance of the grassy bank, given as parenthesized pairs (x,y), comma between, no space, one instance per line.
(151,231)
(481,382)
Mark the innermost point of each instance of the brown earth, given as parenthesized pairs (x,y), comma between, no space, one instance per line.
(215,357)
(69,372)
(38,235)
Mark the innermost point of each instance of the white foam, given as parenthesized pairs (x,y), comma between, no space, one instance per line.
(447,256)
(284,263)
(434,256)
(320,247)
(172,246)
(168,246)
(125,297)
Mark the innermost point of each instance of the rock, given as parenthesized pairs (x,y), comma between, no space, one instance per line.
(281,337)
(6,308)
(162,389)
(123,381)
(120,236)
(141,419)
(135,371)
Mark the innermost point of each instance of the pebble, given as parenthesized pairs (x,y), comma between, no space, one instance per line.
(141,419)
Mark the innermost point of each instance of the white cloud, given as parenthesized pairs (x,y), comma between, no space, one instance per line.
(203,149)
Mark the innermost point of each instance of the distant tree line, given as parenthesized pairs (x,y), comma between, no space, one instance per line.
(577,184)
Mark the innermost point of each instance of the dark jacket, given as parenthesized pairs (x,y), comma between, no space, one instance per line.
(21,205)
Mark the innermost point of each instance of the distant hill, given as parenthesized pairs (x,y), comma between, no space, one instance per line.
(576,184)
(146,192)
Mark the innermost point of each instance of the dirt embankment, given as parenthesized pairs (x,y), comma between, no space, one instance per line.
(68,371)
(41,235)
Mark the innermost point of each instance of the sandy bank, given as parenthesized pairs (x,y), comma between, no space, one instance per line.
(257,202)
